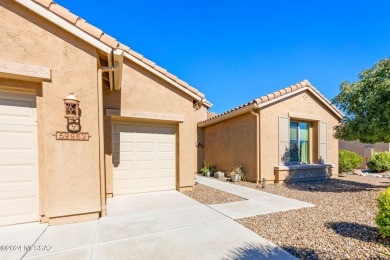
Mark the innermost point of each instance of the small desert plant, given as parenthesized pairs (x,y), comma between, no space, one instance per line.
(239,171)
(206,168)
(383,217)
(348,161)
(380,162)
(213,169)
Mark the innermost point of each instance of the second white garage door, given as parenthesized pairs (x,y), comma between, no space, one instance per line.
(143,158)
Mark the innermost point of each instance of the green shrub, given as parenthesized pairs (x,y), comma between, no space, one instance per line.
(380,162)
(348,161)
(383,217)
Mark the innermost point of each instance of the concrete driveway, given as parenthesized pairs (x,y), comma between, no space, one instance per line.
(158,225)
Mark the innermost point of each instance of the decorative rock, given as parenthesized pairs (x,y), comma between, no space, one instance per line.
(358,172)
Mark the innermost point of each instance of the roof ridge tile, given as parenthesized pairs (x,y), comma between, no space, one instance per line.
(282,92)
(45,3)
(88,28)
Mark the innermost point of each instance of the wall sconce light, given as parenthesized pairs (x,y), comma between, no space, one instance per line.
(199,145)
(72,107)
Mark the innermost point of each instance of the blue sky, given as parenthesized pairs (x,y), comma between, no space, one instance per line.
(235,51)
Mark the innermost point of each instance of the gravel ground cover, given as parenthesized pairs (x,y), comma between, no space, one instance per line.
(208,195)
(340,226)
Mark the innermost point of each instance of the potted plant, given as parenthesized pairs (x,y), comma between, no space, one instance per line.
(206,169)
(237,174)
(219,175)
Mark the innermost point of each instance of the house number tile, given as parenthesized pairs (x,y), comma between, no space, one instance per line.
(81,136)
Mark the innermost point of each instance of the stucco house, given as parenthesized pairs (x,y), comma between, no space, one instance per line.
(286,135)
(128,125)
(364,150)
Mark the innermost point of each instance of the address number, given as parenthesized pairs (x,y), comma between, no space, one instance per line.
(72,136)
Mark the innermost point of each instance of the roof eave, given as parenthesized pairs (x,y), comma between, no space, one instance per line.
(258,104)
(108,46)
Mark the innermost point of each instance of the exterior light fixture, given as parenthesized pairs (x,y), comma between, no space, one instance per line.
(72,107)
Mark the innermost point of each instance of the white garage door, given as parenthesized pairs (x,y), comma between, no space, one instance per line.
(18,159)
(143,158)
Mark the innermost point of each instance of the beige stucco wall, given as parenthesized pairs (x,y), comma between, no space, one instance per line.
(303,103)
(364,150)
(143,92)
(231,143)
(68,170)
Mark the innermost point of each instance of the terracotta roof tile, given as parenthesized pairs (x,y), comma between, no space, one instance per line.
(279,93)
(193,89)
(149,62)
(182,82)
(264,99)
(64,13)
(135,54)
(211,115)
(201,95)
(107,39)
(124,47)
(88,28)
(45,3)
(283,92)
(162,70)
(110,41)
(171,76)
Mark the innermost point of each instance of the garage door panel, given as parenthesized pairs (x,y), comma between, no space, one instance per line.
(165,156)
(15,138)
(17,109)
(124,156)
(19,183)
(166,164)
(150,166)
(165,130)
(146,165)
(120,128)
(23,199)
(124,146)
(124,176)
(145,147)
(18,174)
(21,207)
(166,147)
(145,129)
(166,173)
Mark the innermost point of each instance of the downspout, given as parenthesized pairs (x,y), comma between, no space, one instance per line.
(101,137)
(257,144)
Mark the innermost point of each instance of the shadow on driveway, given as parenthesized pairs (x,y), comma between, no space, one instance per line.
(250,251)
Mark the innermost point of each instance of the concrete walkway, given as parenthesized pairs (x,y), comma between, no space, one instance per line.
(156,225)
(256,203)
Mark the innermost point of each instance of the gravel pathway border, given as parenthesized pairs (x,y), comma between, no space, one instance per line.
(207,195)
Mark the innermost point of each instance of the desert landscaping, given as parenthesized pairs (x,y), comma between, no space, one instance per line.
(340,226)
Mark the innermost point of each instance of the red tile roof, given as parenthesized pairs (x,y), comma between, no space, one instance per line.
(108,40)
(211,115)
(264,99)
